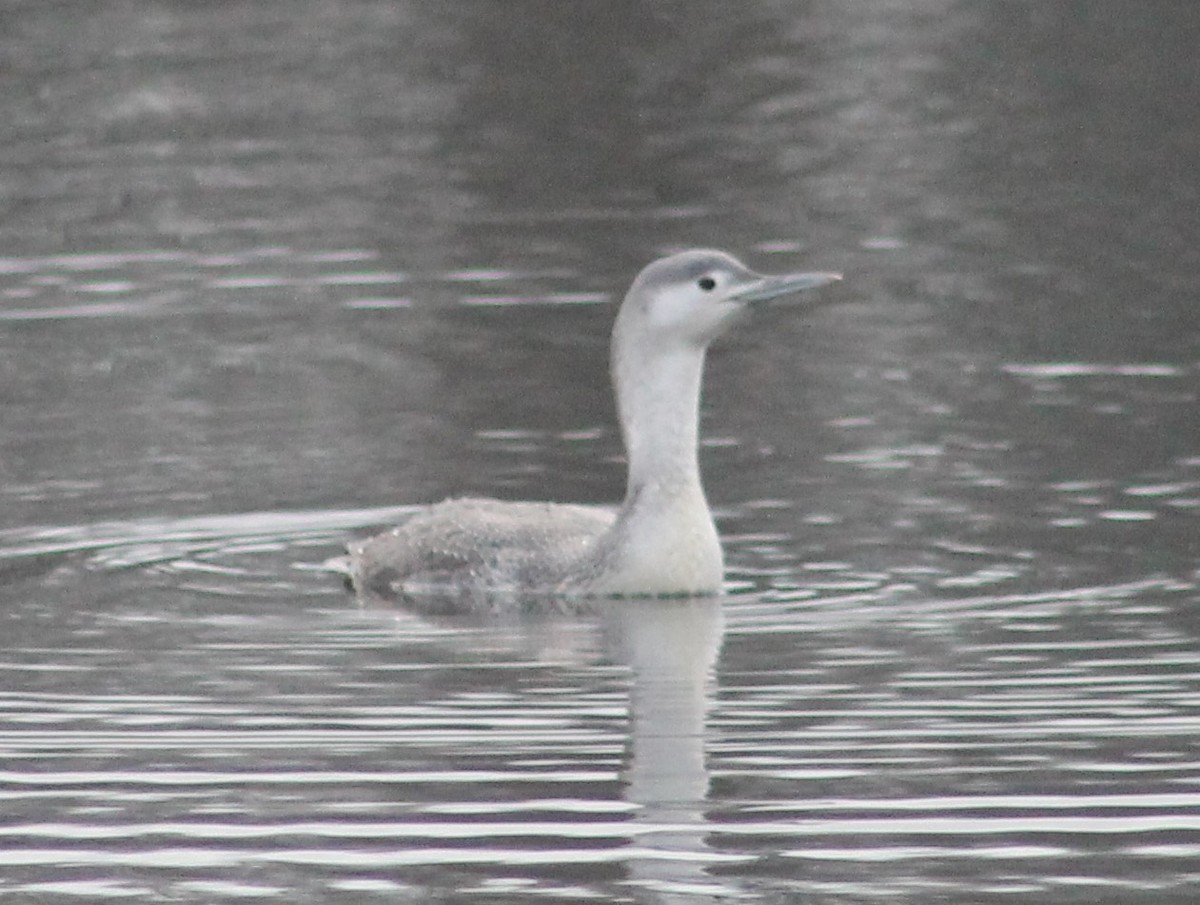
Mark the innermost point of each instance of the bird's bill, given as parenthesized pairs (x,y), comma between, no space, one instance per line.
(770,287)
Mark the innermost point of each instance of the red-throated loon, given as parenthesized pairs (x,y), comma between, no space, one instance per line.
(661,540)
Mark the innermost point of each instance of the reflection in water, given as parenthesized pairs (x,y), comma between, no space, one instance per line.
(671,647)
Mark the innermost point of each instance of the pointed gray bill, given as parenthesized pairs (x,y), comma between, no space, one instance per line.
(771,287)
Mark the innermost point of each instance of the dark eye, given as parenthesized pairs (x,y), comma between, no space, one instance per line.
(708,284)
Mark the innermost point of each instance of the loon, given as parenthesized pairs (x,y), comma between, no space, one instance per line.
(661,540)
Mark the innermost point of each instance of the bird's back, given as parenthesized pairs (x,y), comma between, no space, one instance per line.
(466,546)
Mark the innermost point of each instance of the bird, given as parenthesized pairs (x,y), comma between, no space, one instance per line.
(661,540)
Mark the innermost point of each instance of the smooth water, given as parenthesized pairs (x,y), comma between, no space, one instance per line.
(273,273)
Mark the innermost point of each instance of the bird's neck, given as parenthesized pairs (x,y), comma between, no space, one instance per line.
(664,540)
(658,402)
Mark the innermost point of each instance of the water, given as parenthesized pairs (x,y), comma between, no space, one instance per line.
(274,273)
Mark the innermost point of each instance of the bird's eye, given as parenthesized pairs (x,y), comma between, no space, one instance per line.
(708,284)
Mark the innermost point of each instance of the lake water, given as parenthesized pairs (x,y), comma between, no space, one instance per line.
(272,274)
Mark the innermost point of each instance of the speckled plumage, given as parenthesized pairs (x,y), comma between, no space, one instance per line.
(505,547)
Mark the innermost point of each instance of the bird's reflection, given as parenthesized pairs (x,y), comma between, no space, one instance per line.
(671,647)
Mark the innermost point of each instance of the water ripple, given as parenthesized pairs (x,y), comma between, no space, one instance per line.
(857,728)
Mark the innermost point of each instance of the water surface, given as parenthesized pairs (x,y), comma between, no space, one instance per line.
(273,274)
